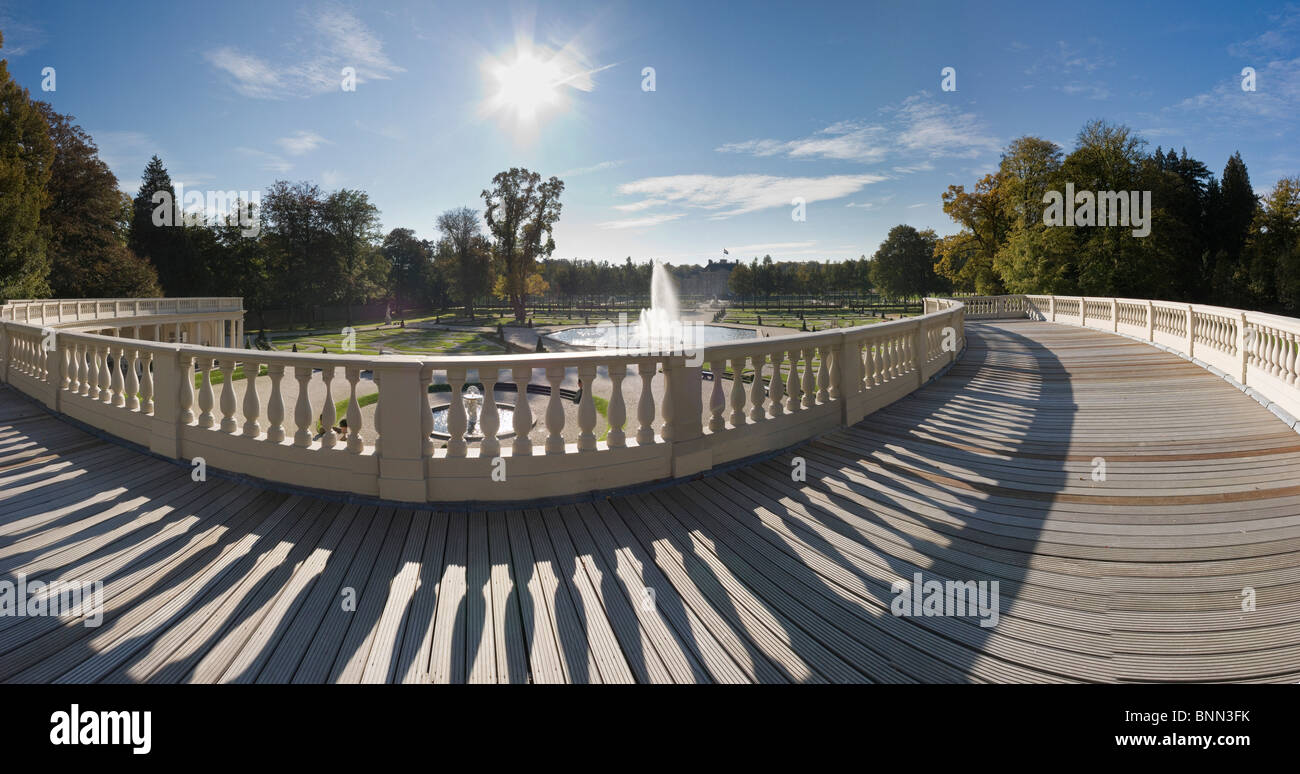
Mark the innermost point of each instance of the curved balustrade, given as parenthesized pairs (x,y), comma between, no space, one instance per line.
(272,414)
(1258,352)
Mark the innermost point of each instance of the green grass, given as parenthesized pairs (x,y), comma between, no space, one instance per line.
(395,341)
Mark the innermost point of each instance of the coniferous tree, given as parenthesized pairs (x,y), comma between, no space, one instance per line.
(159,240)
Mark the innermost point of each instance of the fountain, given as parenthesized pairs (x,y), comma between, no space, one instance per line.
(473,399)
(660,328)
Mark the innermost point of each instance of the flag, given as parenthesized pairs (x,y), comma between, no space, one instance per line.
(724,251)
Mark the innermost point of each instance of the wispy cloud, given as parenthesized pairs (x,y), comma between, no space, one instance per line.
(334,39)
(602,166)
(269,161)
(917,129)
(300,142)
(20,37)
(1075,69)
(726,196)
(845,141)
(646,222)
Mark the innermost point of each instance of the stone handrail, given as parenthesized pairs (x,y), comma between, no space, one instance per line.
(72,311)
(181,401)
(1256,352)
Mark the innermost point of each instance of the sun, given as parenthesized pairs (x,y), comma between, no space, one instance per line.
(526,85)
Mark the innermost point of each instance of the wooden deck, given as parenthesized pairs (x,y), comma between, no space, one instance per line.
(747,576)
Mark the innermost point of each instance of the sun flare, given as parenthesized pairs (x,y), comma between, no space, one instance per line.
(526,85)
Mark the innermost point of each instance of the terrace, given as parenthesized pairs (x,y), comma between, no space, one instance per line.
(700,557)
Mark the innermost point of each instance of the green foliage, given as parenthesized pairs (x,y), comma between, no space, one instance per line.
(26,159)
(904,264)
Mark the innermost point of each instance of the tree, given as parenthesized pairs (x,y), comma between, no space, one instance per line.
(26,158)
(294,234)
(83,221)
(352,223)
(465,255)
(160,240)
(408,265)
(1274,247)
(1231,209)
(904,264)
(521,212)
(984,216)
(741,281)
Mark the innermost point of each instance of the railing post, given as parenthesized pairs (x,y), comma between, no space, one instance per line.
(170,368)
(689,448)
(1191,333)
(848,363)
(918,351)
(1242,358)
(1051,305)
(1151,321)
(400,427)
(1114,315)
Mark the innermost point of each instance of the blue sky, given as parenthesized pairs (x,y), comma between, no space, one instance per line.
(754,104)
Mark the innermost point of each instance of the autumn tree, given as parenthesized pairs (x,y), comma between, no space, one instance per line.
(521,213)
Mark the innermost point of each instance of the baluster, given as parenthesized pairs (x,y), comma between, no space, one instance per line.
(586,408)
(74,369)
(205,392)
(146,382)
(868,365)
(616,413)
(275,404)
(809,386)
(64,353)
(775,386)
(118,387)
(555,411)
(186,363)
(456,419)
(823,377)
(133,380)
(355,444)
(105,374)
(522,445)
(489,421)
(1275,354)
(228,423)
(717,397)
(302,407)
(426,414)
(253,401)
(756,396)
(645,407)
(792,385)
(737,392)
(1291,355)
(329,414)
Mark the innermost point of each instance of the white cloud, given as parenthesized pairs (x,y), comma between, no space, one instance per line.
(918,129)
(740,194)
(1270,108)
(331,178)
(301,142)
(844,141)
(770,246)
(652,220)
(335,39)
(936,130)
